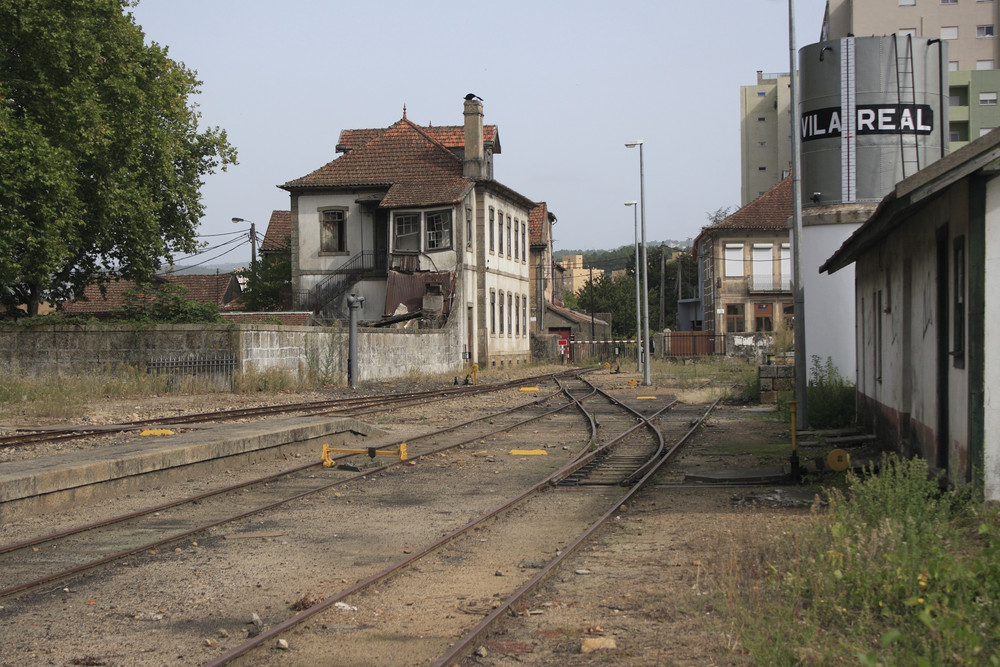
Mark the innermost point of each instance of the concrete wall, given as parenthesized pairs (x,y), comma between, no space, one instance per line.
(304,352)
(991,344)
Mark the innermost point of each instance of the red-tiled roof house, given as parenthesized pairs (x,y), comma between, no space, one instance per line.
(411,218)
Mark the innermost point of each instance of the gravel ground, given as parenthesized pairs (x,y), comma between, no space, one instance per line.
(647,591)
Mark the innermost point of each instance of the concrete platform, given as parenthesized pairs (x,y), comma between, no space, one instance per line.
(49,482)
(758,475)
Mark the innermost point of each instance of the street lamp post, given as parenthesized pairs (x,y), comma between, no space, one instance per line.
(253,244)
(645,287)
(638,306)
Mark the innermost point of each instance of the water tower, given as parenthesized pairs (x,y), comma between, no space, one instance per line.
(873,111)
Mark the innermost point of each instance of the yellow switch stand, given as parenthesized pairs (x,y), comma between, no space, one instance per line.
(371,451)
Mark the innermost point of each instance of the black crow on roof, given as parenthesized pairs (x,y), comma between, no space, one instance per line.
(473,96)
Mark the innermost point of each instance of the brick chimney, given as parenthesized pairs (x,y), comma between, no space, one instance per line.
(474,165)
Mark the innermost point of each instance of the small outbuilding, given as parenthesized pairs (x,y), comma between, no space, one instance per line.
(927,334)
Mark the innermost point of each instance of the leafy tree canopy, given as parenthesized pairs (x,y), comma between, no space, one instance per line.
(268,282)
(101,158)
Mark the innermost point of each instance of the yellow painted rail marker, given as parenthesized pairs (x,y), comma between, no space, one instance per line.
(371,452)
(157,431)
(529,388)
(645,398)
(528,452)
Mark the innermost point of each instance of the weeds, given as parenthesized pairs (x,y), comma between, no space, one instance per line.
(895,572)
(831,398)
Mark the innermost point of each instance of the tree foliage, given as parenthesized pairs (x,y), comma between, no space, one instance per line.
(165,302)
(271,278)
(100,153)
(617,295)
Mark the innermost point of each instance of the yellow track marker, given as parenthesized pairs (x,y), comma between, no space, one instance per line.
(645,398)
(528,452)
(529,388)
(157,431)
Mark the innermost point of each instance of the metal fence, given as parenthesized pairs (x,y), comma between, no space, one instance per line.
(673,344)
(216,369)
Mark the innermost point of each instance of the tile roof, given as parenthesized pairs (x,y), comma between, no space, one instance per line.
(293,318)
(204,288)
(279,232)
(770,211)
(416,169)
(451,137)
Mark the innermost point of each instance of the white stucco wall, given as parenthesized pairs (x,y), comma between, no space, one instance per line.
(829,299)
(991,346)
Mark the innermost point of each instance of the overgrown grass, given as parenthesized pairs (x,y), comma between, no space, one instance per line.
(704,380)
(894,573)
(66,396)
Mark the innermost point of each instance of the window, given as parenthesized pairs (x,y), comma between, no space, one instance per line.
(761,93)
(500,232)
(949,2)
(438,230)
(508,236)
(763,317)
(952,65)
(761,144)
(949,32)
(954,100)
(984,30)
(985,64)
(517,229)
(734,318)
(524,242)
(761,168)
(987,98)
(468,228)
(331,230)
(493,311)
(761,119)
(734,260)
(510,314)
(524,314)
(907,3)
(786,266)
(958,303)
(517,314)
(492,234)
(788,315)
(407,232)
(501,313)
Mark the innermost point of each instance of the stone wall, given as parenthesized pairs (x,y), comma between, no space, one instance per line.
(774,379)
(303,352)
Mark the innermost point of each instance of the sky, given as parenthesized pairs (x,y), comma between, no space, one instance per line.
(567,83)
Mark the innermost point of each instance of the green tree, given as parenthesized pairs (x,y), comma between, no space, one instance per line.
(265,285)
(165,302)
(100,155)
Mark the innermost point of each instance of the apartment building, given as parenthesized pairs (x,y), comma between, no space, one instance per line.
(968,26)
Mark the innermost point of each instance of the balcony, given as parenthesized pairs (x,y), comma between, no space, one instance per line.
(757,284)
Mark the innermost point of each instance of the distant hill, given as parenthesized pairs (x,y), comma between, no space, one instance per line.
(614,260)
(205,269)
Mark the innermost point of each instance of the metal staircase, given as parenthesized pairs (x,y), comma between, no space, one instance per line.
(324,298)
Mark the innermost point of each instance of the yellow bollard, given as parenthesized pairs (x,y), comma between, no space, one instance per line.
(475,369)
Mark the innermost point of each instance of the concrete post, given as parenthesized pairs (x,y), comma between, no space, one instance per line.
(354,304)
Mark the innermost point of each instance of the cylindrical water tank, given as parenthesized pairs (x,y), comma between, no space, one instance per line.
(874,111)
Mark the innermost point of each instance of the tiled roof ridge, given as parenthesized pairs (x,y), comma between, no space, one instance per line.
(770,210)
(424,134)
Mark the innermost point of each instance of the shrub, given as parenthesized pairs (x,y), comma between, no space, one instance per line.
(830,398)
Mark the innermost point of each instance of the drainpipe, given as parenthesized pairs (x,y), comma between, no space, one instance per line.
(354,304)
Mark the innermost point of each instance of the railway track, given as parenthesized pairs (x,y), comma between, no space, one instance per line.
(353,406)
(578,424)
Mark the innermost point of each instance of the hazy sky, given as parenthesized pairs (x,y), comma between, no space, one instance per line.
(566,82)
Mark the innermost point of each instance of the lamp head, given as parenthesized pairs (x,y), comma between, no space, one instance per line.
(631,203)
(633,144)
(238,220)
